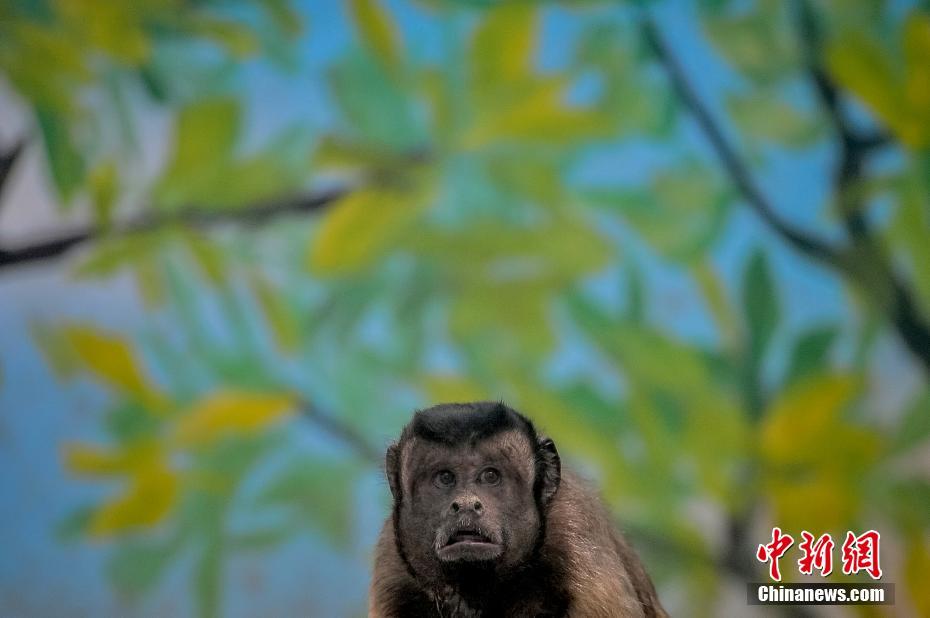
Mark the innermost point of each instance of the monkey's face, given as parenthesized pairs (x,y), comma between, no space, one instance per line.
(471,503)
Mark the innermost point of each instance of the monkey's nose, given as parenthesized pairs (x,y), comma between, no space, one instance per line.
(472,503)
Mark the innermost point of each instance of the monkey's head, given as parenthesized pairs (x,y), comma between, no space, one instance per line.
(471,484)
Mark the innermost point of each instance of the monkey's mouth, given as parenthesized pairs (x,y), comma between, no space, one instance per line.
(467,536)
(469,544)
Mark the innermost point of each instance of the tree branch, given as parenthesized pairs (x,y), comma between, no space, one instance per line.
(7,160)
(732,163)
(194,217)
(903,313)
(854,147)
(335,427)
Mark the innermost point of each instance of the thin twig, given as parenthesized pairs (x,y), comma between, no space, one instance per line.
(7,160)
(347,434)
(194,217)
(737,170)
(904,314)
(854,147)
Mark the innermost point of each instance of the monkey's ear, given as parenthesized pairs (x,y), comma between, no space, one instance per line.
(392,469)
(549,467)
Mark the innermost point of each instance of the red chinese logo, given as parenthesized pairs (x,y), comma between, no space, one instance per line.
(817,554)
(860,553)
(771,552)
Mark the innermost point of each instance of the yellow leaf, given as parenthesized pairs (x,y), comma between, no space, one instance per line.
(236,38)
(57,352)
(281,319)
(150,281)
(205,135)
(901,101)
(813,458)
(114,27)
(864,68)
(151,493)
(802,419)
(92,460)
(210,258)
(720,309)
(818,502)
(916,567)
(917,73)
(502,47)
(111,359)
(539,114)
(514,316)
(103,187)
(360,228)
(449,388)
(377,30)
(230,412)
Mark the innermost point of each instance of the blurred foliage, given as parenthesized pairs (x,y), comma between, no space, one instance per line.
(469,256)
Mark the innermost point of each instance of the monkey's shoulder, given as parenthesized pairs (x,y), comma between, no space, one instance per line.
(596,564)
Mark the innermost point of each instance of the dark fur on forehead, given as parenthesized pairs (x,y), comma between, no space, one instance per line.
(467,423)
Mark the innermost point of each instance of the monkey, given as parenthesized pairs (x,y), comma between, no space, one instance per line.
(486,523)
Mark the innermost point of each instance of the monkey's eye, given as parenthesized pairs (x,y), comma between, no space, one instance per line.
(445,478)
(490,476)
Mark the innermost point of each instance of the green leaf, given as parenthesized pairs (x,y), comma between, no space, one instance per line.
(914,428)
(538,113)
(318,491)
(760,43)
(130,421)
(207,255)
(513,316)
(205,134)
(910,228)
(284,16)
(377,31)
(76,524)
(236,38)
(116,252)
(501,51)
(671,384)
(114,28)
(206,129)
(636,98)
(261,540)
(208,577)
(137,566)
(763,115)
(277,170)
(278,314)
(636,296)
(361,228)
(760,305)
(810,352)
(387,120)
(64,159)
(104,181)
(58,352)
(681,215)
(909,502)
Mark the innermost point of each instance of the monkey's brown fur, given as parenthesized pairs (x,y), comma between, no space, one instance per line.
(579,566)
